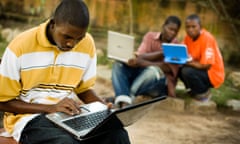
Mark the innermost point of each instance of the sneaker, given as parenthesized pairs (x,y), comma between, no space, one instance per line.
(204,97)
(122,101)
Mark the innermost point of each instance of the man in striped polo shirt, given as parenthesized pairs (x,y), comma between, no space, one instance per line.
(50,68)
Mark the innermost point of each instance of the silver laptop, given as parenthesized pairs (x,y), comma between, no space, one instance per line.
(96,119)
(120,46)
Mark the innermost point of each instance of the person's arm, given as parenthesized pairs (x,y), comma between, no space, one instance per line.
(150,59)
(146,59)
(66,105)
(152,56)
(197,65)
(89,96)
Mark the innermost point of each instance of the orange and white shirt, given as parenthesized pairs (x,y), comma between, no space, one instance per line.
(206,51)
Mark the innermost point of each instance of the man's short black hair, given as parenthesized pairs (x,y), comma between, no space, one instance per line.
(74,12)
(194,17)
(173,19)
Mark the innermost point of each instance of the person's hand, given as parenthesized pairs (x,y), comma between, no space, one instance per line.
(135,62)
(165,68)
(132,62)
(189,59)
(109,105)
(66,105)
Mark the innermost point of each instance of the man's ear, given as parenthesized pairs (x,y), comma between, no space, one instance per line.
(51,23)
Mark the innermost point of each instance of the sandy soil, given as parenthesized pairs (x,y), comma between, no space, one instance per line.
(164,126)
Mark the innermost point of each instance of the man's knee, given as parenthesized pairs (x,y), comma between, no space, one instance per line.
(153,72)
(63,139)
(116,65)
(187,71)
(120,136)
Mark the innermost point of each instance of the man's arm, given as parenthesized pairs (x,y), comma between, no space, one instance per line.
(89,96)
(197,65)
(150,59)
(66,105)
(153,56)
(146,59)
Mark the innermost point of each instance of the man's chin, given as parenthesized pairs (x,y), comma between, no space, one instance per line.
(64,49)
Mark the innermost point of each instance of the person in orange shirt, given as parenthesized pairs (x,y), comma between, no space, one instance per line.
(206,69)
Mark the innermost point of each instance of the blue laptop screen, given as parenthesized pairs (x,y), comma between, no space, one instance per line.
(175,53)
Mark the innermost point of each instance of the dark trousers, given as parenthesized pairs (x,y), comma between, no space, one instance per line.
(195,79)
(41,131)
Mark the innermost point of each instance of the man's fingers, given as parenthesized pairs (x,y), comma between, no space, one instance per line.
(69,106)
(109,105)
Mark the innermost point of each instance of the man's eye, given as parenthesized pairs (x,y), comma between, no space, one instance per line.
(66,37)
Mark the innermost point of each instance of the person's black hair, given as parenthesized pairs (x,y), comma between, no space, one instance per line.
(194,17)
(173,19)
(74,12)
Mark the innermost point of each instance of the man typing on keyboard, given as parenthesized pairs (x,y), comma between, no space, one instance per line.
(48,69)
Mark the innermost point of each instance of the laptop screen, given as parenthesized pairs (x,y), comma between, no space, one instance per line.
(120,46)
(175,53)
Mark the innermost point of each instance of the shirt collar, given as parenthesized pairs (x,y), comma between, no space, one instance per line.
(42,35)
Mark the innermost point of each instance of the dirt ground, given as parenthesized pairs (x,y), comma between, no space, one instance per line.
(164,126)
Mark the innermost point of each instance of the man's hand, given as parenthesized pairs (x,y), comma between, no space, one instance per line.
(66,105)
(133,62)
(198,65)
(165,68)
(109,105)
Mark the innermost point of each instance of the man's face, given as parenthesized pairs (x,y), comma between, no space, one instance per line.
(169,32)
(193,28)
(66,36)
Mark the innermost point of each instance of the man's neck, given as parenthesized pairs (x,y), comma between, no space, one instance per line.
(49,35)
(161,38)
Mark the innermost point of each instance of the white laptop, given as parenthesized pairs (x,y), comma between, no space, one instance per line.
(120,46)
(96,119)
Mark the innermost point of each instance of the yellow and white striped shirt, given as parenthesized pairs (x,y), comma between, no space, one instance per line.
(31,64)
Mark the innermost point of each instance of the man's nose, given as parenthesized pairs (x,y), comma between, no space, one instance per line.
(172,33)
(71,43)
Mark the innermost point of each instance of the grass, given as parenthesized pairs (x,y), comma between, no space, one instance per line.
(224,93)
(3,45)
(219,95)
(103,60)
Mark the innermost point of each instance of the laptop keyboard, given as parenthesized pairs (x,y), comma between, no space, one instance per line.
(87,121)
(175,59)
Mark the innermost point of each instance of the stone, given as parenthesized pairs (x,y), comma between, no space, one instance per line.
(8,34)
(235,78)
(234,104)
(198,107)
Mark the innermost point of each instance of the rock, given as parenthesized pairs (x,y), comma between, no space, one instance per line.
(234,104)
(8,34)
(235,79)
(198,107)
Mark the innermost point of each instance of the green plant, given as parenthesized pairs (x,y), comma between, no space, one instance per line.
(225,93)
(220,95)
(3,45)
(103,59)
